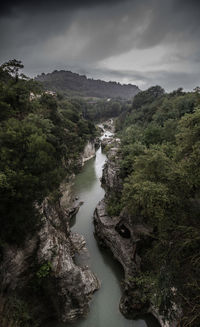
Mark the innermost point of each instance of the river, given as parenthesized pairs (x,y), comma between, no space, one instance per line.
(104,306)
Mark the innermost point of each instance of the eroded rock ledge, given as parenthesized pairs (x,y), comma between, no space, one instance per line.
(117,234)
(66,287)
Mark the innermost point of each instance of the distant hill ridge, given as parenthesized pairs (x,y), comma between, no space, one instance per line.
(74,84)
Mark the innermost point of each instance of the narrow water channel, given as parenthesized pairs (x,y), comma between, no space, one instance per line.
(104,306)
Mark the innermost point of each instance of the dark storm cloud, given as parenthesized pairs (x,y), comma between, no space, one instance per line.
(49,35)
(7,7)
(168,80)
(174,21)
(102,26)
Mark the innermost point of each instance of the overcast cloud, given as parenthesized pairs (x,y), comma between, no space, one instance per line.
(144,42)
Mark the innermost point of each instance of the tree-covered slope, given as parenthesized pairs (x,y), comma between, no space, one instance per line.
(75,84)
(161,189)
(41,139)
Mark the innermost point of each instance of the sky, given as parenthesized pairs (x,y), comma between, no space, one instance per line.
(143,42)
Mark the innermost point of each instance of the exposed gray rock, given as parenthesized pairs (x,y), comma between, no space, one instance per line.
(88,152)
(117,233)
(109,142)
(123,237)
(109,125)
(74,285)
(122,248)
(111,180)
(67,286)
(66,191)
(164,322)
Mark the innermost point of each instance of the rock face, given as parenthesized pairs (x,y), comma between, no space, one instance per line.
(42,279)
(111,178)
(74,285)
(68,287)
(108,236)
(89,152)
(116,233)
(125,238)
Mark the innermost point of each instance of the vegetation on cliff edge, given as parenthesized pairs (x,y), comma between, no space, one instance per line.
(161,188)
(41,137)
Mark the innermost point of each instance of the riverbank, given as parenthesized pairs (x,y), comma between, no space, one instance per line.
(104,307)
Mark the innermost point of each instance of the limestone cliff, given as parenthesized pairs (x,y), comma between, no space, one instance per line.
(41,281)
(89,151)
(44,271)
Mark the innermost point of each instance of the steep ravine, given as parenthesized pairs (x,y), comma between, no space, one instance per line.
(104,307)
(54,276)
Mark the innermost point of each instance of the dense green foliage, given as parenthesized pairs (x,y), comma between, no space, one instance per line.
(102,110)
(73,84)
(41,137)
(161,173)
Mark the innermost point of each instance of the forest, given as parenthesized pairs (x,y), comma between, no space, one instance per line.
(160,169)
(72,84)
(41,139)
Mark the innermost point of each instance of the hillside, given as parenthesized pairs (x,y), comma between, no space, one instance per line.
(44,141)
(153,203)
(75,84)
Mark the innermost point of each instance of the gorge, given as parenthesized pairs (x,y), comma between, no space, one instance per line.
(104,307)
(146,215)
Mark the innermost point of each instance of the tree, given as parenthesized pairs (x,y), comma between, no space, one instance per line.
(148,96)
(12,67)
(161,189)
(40,142)
(197,89)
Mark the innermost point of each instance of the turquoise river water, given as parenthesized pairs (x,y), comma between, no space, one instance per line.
(104,306)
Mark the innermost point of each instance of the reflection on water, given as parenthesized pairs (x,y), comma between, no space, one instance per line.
(104,308)
(86,179)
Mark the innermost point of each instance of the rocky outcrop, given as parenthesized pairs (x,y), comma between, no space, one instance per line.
(109,236)
(165,322)
(74,284)
(109,142)
(88,152)
(111,180)
(66,186)
(124,239)
(42,278)
(108,126)
(122,236)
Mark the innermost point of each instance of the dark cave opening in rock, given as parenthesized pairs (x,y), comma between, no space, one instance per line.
(123,230)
